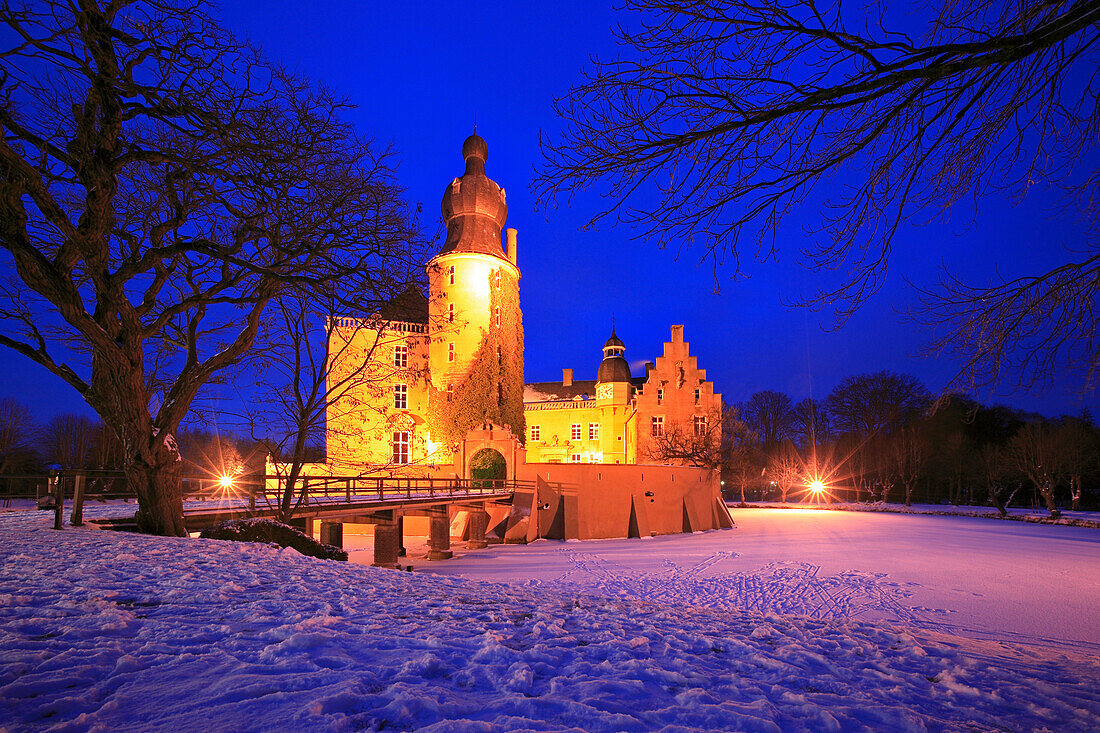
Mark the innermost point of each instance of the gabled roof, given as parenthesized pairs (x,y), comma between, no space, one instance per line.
(546,391)
(410,305)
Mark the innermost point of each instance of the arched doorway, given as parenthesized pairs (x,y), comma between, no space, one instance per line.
(488,466)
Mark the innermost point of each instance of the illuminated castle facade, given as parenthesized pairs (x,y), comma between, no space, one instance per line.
(440,366)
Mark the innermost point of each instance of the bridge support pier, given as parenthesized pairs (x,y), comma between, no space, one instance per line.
(439,535)
(386,545)
(479,522)
(332,533)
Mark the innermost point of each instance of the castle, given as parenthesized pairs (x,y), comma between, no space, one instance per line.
(434,376)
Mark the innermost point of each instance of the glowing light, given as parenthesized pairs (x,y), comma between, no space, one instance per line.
(431,445)
(817,486)
(225,481)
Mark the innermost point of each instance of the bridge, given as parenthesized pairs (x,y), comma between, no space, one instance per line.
(330,502)
(380,501)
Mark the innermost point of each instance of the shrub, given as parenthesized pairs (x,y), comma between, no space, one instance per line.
(272,532)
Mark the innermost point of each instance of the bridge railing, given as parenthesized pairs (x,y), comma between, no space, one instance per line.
(330,489)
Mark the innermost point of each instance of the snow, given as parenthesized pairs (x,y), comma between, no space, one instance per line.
(1008,581)
(1022,514)
(105,630)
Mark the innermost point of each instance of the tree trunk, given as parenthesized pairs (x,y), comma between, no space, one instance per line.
(1047,490)
(287,505)
(995,495)
(160,499)
(159,488)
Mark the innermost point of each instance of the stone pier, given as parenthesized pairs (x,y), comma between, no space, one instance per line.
(479,523)
(332,533)
(386,544)
(439,535)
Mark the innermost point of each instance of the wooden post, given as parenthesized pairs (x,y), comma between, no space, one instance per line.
(58,501)
(77,517)
(347,490)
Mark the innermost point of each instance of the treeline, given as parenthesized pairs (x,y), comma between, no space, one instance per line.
(74,442)
(883,437)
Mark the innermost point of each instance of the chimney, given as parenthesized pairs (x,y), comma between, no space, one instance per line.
(677,334)
(567,377)
(512,246)
(648,368)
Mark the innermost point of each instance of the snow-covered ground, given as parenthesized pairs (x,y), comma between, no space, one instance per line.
(109,631)
(1008,581)
(1019,513)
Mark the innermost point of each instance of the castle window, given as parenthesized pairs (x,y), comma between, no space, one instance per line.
(575,458)
(700,426)
(401,396)
(535,432)
(660,396)
(401,356)
(496,316)
(575,431)
(401,447)
(698,394)
(451,275)
(593,458)
(657,425)
(593,431)
(451,351)
(450,392)
(496,278)
(450,313)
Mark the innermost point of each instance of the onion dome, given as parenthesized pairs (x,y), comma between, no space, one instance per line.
(614,367)
(474,208)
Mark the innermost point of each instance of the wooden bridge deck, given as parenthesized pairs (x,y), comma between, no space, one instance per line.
(336,508)
(334,498)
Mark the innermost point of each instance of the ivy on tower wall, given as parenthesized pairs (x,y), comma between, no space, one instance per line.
(492,388)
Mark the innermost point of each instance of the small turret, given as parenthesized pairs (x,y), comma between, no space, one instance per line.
(614,367)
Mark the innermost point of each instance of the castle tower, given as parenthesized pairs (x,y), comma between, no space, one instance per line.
(475,352)
(613,388)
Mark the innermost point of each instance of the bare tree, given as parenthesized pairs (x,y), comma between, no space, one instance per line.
(998,474)
(906,450)
(1078,442)
(723,117)
(107,452)
(1037,453)
(69,440)
(160,183)
(770,415)
(786,468)
(694,441)
(742,460)
(883,402)
(810,422)
(313,365)
(17,434)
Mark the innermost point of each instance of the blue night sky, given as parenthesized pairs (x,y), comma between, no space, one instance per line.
(419,72)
